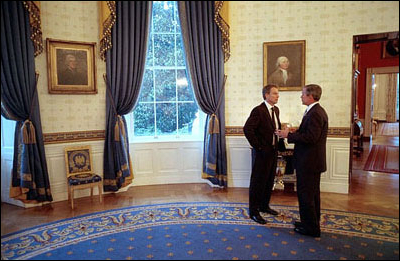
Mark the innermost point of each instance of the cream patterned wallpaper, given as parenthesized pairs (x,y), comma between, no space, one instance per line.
(73,21)
(328,28)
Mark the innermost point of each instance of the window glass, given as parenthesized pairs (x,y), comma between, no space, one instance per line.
(144,119)
(165,83)
(7,133)
(166,107)
(164,50)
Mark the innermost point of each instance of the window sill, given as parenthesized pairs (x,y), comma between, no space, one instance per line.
(140,140)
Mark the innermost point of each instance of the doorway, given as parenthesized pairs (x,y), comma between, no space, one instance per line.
(381,99)
(373,68)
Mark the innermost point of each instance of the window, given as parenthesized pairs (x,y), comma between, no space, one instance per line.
(166,108)
(7,133)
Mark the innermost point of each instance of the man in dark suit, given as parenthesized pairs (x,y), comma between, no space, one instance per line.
(259,130)
(309,159)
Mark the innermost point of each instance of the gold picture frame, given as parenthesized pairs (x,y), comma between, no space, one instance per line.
(71,67)
(289,56)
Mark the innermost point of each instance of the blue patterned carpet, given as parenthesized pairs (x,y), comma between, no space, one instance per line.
(204,231)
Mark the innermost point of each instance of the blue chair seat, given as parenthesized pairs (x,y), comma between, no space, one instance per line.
(85,178)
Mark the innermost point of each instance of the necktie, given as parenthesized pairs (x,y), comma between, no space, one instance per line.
(273,116)
(275,138)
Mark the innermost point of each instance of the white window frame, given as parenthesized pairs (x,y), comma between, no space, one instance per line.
(198,134)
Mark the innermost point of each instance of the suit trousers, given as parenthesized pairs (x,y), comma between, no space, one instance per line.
(308,193)
(262,179)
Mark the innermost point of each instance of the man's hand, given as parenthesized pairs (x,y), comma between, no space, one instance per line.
(282,133)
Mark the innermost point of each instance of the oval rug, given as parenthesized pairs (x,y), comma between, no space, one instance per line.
(207,230)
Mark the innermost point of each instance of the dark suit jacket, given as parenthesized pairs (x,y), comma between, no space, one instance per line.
(259,128)
(72,77)
(310,141)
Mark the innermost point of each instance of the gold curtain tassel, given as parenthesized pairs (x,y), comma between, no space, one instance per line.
(28,136)
(119,124)
(213,124)
(116,131)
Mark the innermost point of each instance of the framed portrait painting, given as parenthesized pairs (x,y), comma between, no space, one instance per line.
(71,67)
(284,64)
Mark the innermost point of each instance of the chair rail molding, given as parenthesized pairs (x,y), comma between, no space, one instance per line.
(174,162)
(335,179)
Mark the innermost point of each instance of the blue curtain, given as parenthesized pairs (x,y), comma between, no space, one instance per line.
(125,64)
(205,59)
(19,102)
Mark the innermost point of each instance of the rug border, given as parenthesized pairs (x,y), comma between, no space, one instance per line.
(284,223)
(200,203)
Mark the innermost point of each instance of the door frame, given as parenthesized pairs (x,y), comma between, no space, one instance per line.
(358,39)
(368,94)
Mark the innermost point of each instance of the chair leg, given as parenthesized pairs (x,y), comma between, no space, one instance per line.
(100,192)
(72,197)
(69,193)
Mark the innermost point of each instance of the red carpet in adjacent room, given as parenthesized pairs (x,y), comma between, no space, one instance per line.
(383,159)
(389,129)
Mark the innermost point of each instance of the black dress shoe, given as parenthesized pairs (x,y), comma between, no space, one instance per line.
(298,224)
(269,211)
(257,218)
(303,231)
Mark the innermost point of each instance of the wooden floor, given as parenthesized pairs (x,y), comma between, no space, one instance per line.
(370,192)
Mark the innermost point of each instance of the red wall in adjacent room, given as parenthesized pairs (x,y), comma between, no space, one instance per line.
(370,56)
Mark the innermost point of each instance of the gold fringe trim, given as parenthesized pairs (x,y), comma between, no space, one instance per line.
(27,177)
(219,177)
(33,8)
(211,166)
(109,182)
(28,135)
(108,17)
(119,124)
(128,180)
(224,27)
(213,124)
(124,167)
(19,193)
